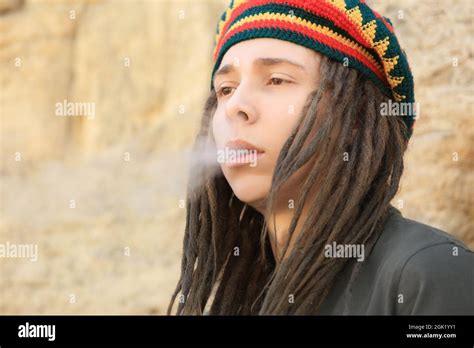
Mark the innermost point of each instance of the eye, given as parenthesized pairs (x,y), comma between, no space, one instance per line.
(223,91)
(277,81)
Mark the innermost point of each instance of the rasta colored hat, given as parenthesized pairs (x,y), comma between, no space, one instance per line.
(348,31)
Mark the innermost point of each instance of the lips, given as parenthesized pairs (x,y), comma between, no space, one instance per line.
(237,144)
(239,152)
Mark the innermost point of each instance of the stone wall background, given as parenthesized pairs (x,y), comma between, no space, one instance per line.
(146,64)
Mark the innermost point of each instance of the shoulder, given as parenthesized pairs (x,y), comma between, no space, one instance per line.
(432,272)
(414,235)
(403,238)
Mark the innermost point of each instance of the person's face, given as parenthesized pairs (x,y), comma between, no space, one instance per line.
(262,86)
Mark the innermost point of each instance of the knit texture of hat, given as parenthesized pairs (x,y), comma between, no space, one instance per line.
(348,31)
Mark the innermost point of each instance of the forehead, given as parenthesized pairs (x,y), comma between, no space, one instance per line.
(247,51)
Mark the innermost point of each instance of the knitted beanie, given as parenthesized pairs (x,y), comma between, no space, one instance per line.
(348,31)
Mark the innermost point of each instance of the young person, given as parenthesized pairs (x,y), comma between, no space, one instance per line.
(302,223)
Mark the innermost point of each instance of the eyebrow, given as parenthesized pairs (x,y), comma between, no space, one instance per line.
(228,68)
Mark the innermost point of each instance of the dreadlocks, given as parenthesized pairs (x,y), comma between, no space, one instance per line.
(227,258)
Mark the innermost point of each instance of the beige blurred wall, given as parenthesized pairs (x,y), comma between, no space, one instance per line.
(100,196)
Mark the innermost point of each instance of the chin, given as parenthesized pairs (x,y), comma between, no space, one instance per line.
(252,190)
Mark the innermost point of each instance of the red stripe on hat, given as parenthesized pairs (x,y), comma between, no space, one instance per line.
(387,24)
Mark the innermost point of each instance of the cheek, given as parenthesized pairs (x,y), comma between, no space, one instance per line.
(280,119)
(219,129)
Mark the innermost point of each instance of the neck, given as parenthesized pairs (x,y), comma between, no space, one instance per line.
(278,223)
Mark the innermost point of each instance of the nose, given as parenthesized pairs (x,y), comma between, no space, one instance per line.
(240,106)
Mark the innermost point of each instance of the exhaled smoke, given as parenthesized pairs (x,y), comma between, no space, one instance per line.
(203,163)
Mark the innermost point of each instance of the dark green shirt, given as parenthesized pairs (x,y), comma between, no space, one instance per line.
(413,269)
